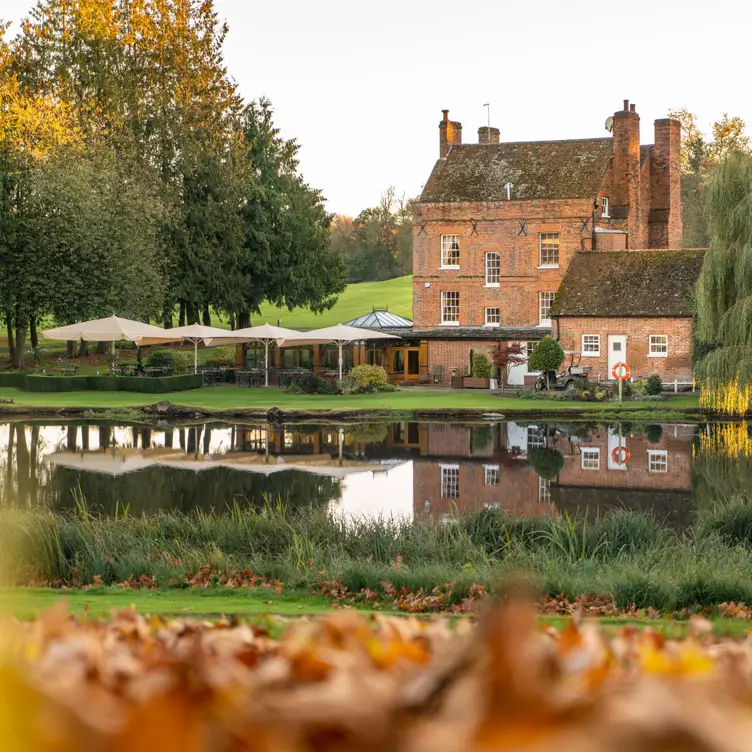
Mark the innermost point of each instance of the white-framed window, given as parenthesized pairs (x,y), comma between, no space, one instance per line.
(536,437)
(604,206)
(450,308)
(658,346)
(450,481)
(657,461)
(450,251)
(591,345)
(545,301)
(529,347)
(493,316)
(591,458)
(548,244)
(493,269)
(544,491)
(491,475)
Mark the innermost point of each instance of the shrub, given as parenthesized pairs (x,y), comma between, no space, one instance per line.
(481,367)
(546,462)
(15,379)
(654,385)
(366,375)
(220,356)
(183,361)
(626,389)
(348,385)
(548,355)
(654,432)
(639,388)
(388,388)
(161,359)
(308,383)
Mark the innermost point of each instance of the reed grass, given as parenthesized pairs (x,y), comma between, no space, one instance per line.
(633,557)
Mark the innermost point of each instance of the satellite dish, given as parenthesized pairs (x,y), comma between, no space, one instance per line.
(609,124)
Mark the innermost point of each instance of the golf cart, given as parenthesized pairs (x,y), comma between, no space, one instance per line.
(566,380)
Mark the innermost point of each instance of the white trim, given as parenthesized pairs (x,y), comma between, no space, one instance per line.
(493,326)
(549,266)
(592,451)
(493,284)
(485,268)
(449,267)
(494,469)
(662,456)
(590,353)
(650,345)
(604,204)
(449,323)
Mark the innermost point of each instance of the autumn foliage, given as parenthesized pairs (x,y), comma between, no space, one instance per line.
(347,682)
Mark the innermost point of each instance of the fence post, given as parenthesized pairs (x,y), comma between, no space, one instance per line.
(676,386)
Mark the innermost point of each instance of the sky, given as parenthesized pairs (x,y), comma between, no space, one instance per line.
(361,84)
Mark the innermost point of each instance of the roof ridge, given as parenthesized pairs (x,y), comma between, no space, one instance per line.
(542,141)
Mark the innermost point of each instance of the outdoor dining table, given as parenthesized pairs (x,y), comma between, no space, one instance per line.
(155,372)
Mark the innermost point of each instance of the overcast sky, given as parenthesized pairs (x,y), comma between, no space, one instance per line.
(361,84)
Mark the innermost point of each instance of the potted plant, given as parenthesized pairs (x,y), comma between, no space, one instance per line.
(481,374)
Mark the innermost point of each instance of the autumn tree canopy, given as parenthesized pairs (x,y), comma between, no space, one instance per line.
(129,103)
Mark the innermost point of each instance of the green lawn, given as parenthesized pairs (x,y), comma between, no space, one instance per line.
(228,398)
(394,294)
(28,603)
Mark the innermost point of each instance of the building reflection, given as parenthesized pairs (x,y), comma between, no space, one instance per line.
(453,467)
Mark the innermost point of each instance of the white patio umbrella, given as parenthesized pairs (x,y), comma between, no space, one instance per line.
(339,335)
(266,334)
(195,333)
(112,329)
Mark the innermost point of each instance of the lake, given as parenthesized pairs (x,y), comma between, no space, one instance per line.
(405,468)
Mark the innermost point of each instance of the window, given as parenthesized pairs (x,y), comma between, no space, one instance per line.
(544,491)
(493,317)
(450,251)
(491,475)
(591,345)
(529,347)
(657,461)
(450,308)
(450,481)
(493,269)
(658,346)
(591,458)
(604,206)
(536,437)
(549,248)
(545,301)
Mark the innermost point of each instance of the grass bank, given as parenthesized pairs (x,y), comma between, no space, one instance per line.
(633,558)
(226,399)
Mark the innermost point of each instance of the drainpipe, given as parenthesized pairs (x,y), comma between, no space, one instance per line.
(558,327)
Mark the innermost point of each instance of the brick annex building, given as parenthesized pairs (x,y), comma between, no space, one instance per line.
(498,224)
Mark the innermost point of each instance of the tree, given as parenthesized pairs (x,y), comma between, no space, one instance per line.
(506,355)
(377,244)
(547,356)
(546,462)
(724,290)
(700,155)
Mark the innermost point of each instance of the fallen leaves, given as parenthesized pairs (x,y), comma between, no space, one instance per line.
(350,682)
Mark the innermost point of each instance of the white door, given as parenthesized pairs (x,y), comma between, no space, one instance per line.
(617,444)
(617,351)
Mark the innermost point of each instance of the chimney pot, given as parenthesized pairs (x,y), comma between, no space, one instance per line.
(626,105)
(633,108)
(446,114)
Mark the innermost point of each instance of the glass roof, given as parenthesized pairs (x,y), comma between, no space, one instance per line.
(379,320)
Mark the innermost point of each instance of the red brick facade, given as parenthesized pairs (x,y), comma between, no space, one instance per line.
(499,208)
(676,365)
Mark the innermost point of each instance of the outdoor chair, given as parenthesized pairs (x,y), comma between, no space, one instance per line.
(64,366)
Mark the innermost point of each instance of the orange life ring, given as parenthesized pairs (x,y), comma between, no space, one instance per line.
(622,452)
(615,371)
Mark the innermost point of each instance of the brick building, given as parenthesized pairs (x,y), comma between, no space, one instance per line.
(498,223)
(629,307)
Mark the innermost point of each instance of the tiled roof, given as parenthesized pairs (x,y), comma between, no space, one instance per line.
(629,283)
(536,170)
(379,320)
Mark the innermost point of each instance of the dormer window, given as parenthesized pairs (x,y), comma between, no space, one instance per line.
(604,206)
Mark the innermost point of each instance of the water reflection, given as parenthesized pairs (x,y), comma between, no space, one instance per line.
(426,470)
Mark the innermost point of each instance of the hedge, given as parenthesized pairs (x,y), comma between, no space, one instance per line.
(113,383)
(15,379)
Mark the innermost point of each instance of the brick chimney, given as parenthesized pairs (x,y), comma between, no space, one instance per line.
(488,135)
(450,134)
(625,173)
(665,218)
